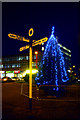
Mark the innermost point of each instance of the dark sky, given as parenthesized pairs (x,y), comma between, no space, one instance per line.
(18,18)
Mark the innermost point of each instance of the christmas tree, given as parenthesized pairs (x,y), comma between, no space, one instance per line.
(52,69)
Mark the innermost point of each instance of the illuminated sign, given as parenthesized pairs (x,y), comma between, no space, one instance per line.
(9,71)
(31,32)
(24,48)
(17,71)
(17,37)
(38,42)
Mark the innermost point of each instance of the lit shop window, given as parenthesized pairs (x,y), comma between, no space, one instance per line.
(13,66)
(21,58)
(27,57)
(1,66)
(17,65)
(42,48)
(8,66)
(17,58)
(34,64)
(0,60)
(34,56)
(42,43)
(37,63)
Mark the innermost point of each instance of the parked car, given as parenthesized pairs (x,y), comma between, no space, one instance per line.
(15,78)
(6,79)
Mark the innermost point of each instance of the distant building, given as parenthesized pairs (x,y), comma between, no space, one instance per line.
(67,56)
(15,65)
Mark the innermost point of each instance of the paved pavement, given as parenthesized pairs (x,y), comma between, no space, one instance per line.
(16,106)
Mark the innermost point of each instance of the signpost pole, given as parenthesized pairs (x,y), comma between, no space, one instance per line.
(30,75)
(30,78)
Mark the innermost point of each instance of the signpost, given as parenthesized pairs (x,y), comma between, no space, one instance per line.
(31,44)
(17,37)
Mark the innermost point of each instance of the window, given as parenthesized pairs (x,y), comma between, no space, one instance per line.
(42,43)
(19,65)
(34,64)
(13,65)
(27,57)
(5,59)
(0,60)
(42,48)
(21,58)
(17,58)
(8,66)
(1,66)
(34,56)
(5,66)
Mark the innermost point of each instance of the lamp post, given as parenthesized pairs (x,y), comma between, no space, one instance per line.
(36,53)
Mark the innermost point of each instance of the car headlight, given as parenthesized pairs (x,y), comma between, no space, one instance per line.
(5,79)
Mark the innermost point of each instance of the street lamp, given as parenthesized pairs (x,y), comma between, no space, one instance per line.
(36,53)
(73,66)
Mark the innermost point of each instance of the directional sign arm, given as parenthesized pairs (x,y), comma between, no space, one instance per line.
(24,48)
(39,42)
(17,37)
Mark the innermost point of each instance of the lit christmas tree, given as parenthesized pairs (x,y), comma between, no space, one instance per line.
(52,69)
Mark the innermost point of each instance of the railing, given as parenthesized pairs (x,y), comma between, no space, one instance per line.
(46,92)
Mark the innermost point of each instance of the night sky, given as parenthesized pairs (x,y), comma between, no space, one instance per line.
(18,18)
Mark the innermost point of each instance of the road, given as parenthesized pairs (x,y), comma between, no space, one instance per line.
(16,106)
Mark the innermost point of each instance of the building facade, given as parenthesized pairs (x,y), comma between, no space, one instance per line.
(16,65)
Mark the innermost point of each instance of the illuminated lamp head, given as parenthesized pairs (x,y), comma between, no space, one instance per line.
(36,52)
(73,66)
